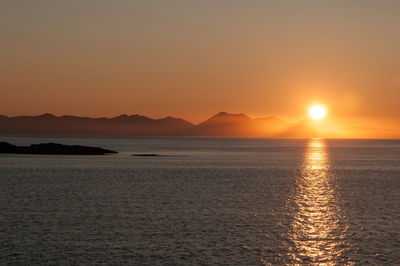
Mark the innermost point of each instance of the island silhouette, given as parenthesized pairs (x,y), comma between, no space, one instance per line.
(52,149)
(223,124)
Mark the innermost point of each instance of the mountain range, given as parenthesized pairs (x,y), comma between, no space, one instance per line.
(222,124)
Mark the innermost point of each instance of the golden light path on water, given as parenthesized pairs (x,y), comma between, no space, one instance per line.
(317,235)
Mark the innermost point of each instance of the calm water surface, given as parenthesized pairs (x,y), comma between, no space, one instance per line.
(208,201)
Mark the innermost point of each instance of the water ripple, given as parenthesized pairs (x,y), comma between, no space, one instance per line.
(316,234)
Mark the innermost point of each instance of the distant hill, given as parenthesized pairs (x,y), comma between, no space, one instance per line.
(134,125)
(239,125)
(222,124)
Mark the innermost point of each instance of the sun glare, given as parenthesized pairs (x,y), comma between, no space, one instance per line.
(317,112)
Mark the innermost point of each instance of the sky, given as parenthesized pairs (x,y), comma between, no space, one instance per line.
(192,59)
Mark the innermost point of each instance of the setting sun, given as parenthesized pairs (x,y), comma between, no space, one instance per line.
(317,112)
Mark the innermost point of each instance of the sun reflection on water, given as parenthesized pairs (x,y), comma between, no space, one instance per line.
(317,235)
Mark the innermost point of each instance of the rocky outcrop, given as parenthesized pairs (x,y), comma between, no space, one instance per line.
(52,149)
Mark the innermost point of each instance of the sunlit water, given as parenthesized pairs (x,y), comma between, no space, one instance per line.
(318,230)
(207,201)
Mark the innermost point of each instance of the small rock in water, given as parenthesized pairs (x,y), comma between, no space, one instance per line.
(146,154)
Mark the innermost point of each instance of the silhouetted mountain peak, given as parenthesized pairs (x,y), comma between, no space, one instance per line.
(224,117)
(169,118)
(124,124)
(123,116)
(221,114)
(138,116)
(130,118)
(229,115)
(47,115)
(221,124)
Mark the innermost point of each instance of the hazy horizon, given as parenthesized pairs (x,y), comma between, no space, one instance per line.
(102,58)
(222,124)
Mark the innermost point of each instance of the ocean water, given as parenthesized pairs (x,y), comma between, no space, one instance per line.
(207,201)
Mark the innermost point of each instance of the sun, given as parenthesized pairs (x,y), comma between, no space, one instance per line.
(317,112)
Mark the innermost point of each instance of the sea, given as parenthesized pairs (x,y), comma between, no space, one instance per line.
(203,201)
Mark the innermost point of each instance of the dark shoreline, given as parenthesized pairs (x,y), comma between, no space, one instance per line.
(52,149)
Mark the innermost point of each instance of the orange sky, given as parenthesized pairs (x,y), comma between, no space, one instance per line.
(192,59)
